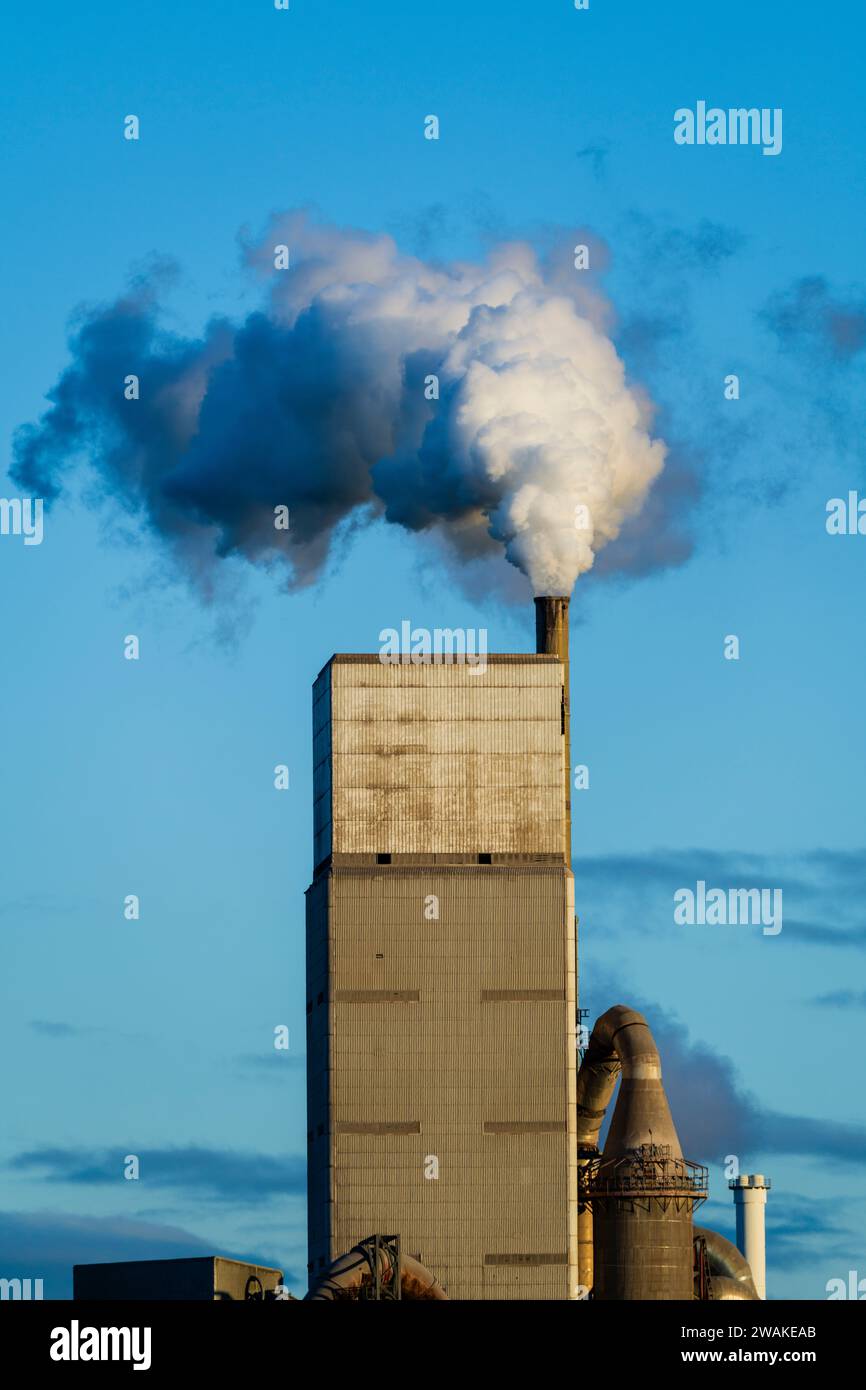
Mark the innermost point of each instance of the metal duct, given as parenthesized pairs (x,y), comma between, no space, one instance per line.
(351,1272)
(551,639)
(639,1195)
(730,1275)
(596,1081)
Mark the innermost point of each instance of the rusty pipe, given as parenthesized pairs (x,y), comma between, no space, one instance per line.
(349,1272)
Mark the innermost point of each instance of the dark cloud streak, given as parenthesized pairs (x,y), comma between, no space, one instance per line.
(206,1172)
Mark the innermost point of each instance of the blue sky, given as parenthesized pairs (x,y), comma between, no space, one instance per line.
(155,777)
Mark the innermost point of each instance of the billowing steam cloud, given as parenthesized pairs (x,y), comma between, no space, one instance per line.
(325,403)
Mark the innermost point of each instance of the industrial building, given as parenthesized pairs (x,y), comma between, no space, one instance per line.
(441,969)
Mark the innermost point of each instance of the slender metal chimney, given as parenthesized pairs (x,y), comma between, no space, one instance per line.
(750,1198)
(551,639)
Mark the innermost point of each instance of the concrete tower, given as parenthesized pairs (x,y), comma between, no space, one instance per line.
(441,988)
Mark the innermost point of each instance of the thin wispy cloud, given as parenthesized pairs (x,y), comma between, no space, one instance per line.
(840,999)
(824,890)
(205,1172)
(597,156)
(50,1029)
(274,1063)
(811,317)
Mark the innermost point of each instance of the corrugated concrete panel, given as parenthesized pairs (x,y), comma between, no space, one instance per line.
(479,819)
(441,995)
(449,1073)
(438,758)
(531,669)
(320,1176)
(392,738)
(457,701)
(368,771)
(322,777)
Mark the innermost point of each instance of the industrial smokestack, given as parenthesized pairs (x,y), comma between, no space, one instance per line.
(551,639)
(750,1199)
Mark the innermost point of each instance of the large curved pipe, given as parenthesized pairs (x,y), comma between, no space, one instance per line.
(349,1272)
(596,1081)
(621,1041)
(729,1290)
(730,1275)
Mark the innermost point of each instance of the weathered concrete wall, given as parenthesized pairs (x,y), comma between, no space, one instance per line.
(446,1039)
(436,759)
(441,995)
(320,1176)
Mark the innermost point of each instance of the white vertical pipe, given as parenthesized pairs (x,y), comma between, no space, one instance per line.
(750,1199)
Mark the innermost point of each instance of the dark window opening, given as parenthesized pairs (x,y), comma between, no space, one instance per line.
(485,859)
(383,859)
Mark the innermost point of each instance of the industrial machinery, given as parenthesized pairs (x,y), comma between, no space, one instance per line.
(377,1270)
(637,1198)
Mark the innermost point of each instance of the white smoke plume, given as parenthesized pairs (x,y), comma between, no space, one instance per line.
(536,444)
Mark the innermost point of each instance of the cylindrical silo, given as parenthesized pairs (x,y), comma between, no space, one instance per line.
(642,1226)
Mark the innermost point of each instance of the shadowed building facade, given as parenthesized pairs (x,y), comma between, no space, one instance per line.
(441,972)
